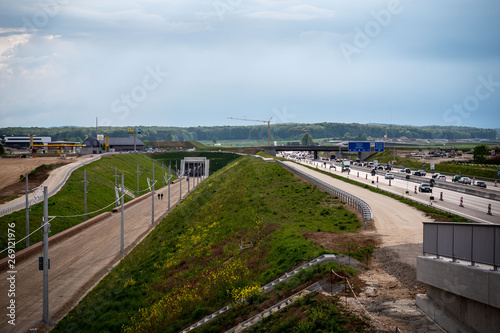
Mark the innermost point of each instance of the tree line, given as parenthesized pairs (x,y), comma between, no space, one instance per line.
(259,132)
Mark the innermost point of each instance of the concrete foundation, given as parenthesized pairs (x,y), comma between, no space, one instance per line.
(460,298)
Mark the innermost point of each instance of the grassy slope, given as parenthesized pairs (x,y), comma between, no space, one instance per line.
(191,265)
(70,201)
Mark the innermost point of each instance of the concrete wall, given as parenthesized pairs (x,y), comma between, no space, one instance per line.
(460,298)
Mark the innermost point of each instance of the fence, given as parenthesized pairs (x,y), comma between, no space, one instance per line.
(350,199)
(477,243)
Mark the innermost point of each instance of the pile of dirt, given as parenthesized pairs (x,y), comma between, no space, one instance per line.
(36,177)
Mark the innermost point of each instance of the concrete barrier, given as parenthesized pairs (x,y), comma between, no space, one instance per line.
(460,297)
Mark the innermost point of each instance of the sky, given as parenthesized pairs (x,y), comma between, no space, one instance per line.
(197,63)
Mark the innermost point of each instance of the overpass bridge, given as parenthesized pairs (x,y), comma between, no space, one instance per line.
(314,149)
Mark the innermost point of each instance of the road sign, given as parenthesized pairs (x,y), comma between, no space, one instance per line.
(139,131)
(423,165)
(359,146)
(432,166)
(379,147)
(498,172)
(130,130)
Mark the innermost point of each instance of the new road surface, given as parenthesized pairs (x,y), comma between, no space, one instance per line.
(473,207)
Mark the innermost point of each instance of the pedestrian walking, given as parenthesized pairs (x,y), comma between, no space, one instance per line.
(158,196)
(162,196)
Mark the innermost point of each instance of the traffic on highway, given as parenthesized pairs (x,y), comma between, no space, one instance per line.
(476,200)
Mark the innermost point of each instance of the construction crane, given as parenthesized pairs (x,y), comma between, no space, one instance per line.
(262,121)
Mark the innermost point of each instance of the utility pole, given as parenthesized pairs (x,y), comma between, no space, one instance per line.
(116,185)
(137,180)
(122,222)
(27,214)
(180,187)
(85,193)
(45,258)
(162,176)
(169,180)
(153,198)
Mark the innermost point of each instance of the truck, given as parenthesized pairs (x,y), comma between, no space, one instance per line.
(346,165)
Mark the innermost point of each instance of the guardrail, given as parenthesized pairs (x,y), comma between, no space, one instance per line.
(22,205)
(348,198)
(477,243)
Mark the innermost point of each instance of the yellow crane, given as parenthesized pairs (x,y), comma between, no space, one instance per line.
(262,121)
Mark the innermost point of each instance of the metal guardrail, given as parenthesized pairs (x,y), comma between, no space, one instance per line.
(348,198)
(22,205)
(477,243)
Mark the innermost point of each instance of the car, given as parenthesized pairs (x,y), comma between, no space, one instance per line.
(479,183)
(435,175)
(422,172)
(419,173)
(389,176)
(465,180)
(402,170)
(425,187)
(456,178)
(388,167)
(408,170)
(380,167)
(441,177)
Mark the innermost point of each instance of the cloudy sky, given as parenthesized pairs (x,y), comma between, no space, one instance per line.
(191,63)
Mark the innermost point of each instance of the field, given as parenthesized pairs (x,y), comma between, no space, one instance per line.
(191,263)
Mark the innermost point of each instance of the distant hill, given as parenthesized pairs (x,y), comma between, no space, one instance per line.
(258,132)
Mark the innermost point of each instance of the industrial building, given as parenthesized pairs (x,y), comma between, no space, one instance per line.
(95,146)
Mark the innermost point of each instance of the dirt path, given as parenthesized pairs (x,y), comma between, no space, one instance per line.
(52,180)
(78,263)
(13,168)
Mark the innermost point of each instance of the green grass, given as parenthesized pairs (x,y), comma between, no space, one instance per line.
(218,160)
(190,264)
(70,199)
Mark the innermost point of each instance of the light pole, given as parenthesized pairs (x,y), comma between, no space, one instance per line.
(169,179)
(153,197)
(27,214)
(85,191)
(122,241)
(45,258)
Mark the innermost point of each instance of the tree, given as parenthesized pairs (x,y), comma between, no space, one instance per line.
(2,150)
(214,139)
(479,153)
(307,140)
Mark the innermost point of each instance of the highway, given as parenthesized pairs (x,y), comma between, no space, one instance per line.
(474,208)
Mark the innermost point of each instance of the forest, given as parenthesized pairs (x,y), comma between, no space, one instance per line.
(259,132)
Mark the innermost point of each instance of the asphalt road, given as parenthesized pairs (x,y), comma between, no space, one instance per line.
(474,207)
